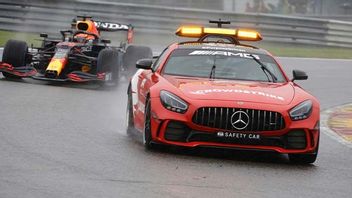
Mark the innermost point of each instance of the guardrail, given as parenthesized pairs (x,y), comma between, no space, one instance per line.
(49,16)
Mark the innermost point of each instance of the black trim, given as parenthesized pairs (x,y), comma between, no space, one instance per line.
(179,132)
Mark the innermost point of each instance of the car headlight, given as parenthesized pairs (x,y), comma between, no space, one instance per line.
(172,102)
(301,111)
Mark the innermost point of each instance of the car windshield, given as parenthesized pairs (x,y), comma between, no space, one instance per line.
(234,65)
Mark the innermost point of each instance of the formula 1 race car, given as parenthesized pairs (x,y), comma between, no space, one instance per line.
(217,92)
(81,55)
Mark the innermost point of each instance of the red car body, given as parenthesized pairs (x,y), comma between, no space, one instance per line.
(216,101)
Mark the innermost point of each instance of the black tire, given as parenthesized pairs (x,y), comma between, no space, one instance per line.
(147,135)
(15,53)
(132,55)
(129,112)
(304,158)
(108,61)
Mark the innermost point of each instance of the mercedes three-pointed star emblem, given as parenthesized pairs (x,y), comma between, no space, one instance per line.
(239,120)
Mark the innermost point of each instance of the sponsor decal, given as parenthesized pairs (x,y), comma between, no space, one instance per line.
(110,26)
(224,53)
(258,93)
(223,48)
(219,44)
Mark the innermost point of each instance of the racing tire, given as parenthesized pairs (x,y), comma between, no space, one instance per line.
(108,62)
(132,55)
(15,53)
(147,134)
(304,158)
(129,112)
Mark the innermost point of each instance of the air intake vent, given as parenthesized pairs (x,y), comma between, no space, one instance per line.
(250,119)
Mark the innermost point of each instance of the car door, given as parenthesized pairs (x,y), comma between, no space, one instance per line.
(143,81)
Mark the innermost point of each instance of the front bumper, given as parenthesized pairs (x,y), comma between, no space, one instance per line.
(179,129)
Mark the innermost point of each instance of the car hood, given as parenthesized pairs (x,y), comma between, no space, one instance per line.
(246,91)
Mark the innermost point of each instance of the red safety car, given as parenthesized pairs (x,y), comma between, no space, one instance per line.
(217,92)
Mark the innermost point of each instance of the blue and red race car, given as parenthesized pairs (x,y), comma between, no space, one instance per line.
(80,55)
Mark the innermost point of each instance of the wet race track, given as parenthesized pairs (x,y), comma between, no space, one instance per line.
(70,141)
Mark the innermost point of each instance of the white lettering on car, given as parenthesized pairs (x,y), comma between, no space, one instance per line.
(206,91)
(224,53)
(110,26)
(238,135)
(223,48)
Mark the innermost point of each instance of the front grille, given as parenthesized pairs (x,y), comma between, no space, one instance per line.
(220,118)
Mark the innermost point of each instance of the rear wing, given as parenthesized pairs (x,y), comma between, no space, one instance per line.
(114,27)
(107,26)
(111,27)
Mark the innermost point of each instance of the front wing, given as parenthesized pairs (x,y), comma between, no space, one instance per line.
(29,71)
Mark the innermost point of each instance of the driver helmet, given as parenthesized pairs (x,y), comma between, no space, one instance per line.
(86,26)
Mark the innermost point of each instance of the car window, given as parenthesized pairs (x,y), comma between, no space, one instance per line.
(229,65)
(161,57)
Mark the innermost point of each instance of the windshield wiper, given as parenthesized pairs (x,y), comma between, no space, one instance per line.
(212,72)
(265,69)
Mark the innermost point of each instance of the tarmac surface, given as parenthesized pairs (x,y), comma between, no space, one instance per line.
(68,140)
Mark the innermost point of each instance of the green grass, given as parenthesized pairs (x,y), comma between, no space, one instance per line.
(30,38)
(277,49)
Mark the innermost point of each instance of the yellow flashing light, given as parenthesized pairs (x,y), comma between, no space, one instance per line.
(248,35)
(198,32)
(222,31)
(190,31)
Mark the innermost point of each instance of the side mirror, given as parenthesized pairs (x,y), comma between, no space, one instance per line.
(43,35)
(144,64)
(299,75)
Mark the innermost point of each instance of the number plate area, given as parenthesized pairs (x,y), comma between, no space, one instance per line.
(238,136)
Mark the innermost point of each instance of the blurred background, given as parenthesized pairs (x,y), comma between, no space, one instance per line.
(333,9)
(303,28)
